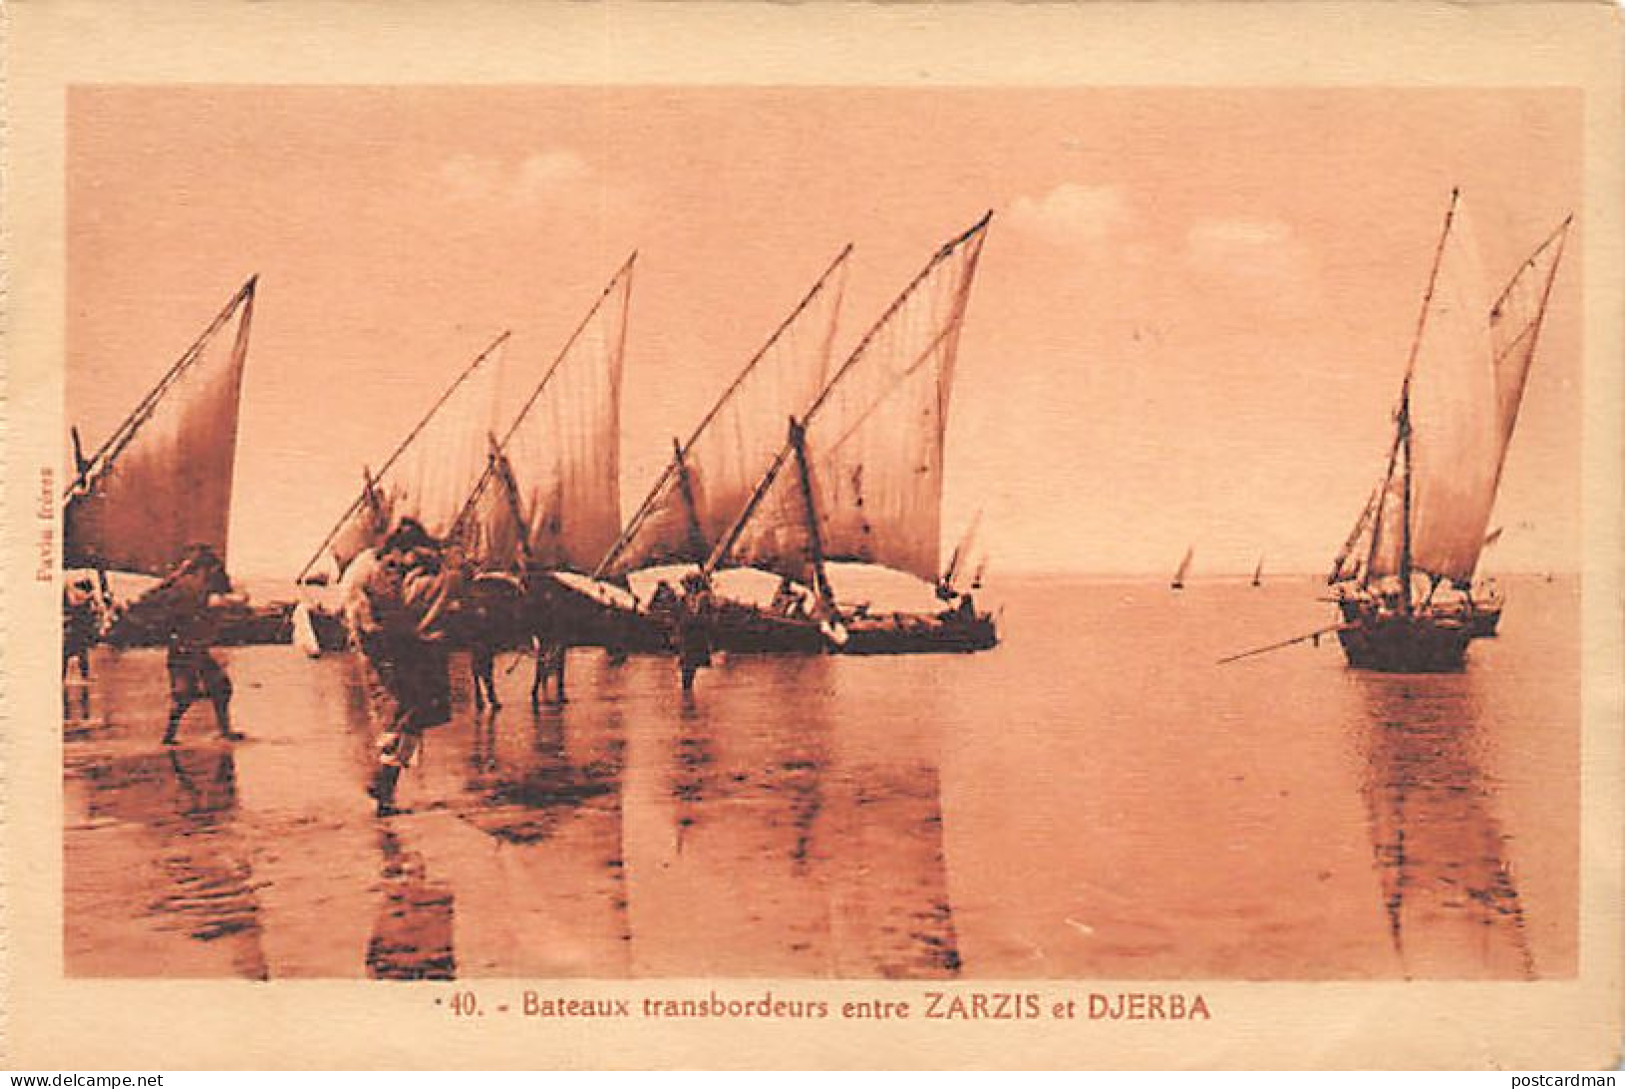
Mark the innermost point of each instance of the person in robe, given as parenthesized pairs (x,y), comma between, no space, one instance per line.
(398,616)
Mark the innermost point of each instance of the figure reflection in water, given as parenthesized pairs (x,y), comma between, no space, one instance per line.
(398,611)
(1449,892)
(194,673)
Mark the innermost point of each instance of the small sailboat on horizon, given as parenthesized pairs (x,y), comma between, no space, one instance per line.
(1184,569)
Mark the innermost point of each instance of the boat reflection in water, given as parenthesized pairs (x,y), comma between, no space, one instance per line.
(987,816)
(1449,888)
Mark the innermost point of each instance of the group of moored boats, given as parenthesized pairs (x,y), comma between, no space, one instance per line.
(799,471)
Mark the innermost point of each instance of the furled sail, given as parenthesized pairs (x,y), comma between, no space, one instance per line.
(492,530)
(366,527)
(711,477)
(429,474)
(865,484)
(556,470)
(163,480)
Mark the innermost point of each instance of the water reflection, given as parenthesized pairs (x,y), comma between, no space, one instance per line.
(773,837)
(412,937)
(1449,893)
(201,884)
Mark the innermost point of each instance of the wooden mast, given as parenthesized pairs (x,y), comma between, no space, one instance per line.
(1405,562)
(685,484)
(815,540)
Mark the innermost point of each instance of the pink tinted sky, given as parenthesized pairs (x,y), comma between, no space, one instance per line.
(1189,325)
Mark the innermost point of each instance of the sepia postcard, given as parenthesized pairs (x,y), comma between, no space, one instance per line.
(823,535)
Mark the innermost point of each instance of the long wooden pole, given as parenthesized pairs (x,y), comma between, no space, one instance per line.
(1316,634)
(1405,398)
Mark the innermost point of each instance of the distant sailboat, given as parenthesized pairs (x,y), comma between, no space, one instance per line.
(162,481)
(1258,572)
(1404,580)
(1184,569)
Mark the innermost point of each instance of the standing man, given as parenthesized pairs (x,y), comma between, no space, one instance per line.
(398,613)
(81,624)
(695,613)
(194,673)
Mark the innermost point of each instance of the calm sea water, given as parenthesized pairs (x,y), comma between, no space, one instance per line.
(1095,798)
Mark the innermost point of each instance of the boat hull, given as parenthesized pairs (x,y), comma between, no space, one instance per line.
(230,626)
(1399,643)
(739,628)
(912,633)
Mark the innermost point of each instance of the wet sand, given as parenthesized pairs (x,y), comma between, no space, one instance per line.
(1095,798)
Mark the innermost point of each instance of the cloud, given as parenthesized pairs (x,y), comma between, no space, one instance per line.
(538,176)
(1248,249)
(1071,214)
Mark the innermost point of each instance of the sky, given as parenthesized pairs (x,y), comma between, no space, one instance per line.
(1188,327)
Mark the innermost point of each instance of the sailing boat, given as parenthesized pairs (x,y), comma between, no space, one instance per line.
(1184,568)
(1258,572)
(424,477)
(427,475)
(709,477)
(1404,581)
(546,505)
(162,481)
(958,561)
(859,477)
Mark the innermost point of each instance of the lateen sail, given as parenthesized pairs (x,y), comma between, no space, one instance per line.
(163,480)
(430,473)
(872,442)
(1458,409)
(553,485)
(1515,322)
(711,477)
(1454,430)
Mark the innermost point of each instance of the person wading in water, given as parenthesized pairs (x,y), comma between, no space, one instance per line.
(398,613)
(81,625)
(194,673)
(694,617)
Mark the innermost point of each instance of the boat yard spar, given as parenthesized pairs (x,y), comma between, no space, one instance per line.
(1404,579)
(859,477)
